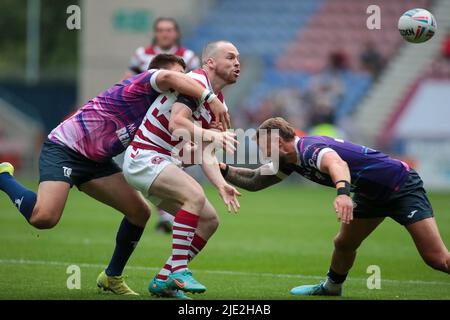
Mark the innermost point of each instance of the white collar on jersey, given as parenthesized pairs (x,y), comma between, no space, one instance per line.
(297,139)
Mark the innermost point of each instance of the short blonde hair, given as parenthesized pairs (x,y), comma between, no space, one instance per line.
(285,129)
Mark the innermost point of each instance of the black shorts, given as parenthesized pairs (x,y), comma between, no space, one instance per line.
(406,206)
(60,163)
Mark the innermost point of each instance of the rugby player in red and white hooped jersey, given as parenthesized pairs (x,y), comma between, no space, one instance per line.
(79,152)
(151,167)
(166,40)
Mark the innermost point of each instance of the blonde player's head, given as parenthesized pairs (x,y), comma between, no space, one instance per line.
(275,135)
(222,59)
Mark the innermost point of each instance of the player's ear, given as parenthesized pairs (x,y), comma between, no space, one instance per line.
(280,142)
(211,63)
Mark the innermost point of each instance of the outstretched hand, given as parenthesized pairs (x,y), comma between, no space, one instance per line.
(229,195)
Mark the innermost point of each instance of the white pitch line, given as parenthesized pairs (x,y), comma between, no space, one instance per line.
(217,272)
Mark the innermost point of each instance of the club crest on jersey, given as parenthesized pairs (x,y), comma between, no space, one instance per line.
(157,160)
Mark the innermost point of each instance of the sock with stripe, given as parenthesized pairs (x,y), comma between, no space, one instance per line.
(184,226)
(165,271)
(197,244)
(21,197)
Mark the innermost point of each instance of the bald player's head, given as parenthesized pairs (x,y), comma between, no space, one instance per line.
(211,49)
(222,58)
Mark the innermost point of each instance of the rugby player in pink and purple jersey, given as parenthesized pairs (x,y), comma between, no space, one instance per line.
(80,150)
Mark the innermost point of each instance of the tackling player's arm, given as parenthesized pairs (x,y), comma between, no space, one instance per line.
(210,167)
(333,165)
(181,124)
(250,179)
(185,85)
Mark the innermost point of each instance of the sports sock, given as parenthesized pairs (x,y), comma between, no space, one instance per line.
(127,238)
(23,198)
(334,281)
(165,271)
(184,227)
(197,245)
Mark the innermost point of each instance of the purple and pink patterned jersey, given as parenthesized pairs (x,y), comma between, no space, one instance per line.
(105,126)
(374,175)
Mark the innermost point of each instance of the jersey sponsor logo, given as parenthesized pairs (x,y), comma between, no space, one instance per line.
(67,172)
(124,134)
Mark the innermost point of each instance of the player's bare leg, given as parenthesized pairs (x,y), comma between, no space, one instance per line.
(207,223)
(50,203)
(42,210)
(175,186)
(207,226)
(429,243)
(115,192)
(348,240)
(346,243)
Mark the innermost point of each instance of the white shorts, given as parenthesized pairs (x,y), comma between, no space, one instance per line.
(141,168)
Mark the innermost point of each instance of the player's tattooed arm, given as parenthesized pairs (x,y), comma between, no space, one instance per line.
(249,179)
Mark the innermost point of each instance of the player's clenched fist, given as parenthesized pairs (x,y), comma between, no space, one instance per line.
(343,205)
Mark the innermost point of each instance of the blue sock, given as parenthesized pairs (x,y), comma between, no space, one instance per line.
(22,198)
(126,240)
(336,277)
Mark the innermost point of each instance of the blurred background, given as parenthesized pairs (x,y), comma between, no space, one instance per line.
(314,62)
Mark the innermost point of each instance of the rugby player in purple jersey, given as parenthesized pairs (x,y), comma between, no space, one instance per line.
(381,186)
(79,152)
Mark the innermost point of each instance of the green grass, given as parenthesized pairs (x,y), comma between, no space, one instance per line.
(281,238)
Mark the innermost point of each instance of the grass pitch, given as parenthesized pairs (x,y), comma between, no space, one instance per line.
(281,238)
